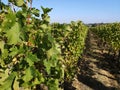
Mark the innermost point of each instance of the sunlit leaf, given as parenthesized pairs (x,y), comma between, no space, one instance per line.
(19,2)
(8,82)
(2,46)
(14,51)
(16,84)
(13,34)
(29,74)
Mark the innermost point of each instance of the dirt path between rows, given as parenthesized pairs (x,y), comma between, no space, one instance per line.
(96,72)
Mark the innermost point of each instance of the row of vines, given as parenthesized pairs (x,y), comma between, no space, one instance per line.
(110,37)
(35,54)
(71,38)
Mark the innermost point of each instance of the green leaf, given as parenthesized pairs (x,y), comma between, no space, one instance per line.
(40,77)
(16,84)
(8,82)
(52,62)
(14,51)
(29,74)
(19,2)
(35,12)
(46,10)
(43,26)
(31,59)
(52,52)
(9,21)
(13,34)
(53,84)
(47,18)
(2,46)
(3,75)
(48,66)
(5,54)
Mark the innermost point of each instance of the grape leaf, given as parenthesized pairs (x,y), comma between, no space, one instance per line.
(31,59)
(13,34)
(16,84)
(2,46)
(19,2)
(35,12)
(46,10)
(8,82)
(29,74)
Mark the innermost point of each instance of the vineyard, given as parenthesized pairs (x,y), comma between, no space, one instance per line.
(110,37)
(38,55)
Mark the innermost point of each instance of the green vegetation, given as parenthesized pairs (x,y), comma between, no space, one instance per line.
(71,38)
(110,37)
(35,54)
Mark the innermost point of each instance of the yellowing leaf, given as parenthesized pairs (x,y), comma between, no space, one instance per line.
(16,84)
(19,2)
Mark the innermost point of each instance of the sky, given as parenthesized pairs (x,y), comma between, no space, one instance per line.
(88,11)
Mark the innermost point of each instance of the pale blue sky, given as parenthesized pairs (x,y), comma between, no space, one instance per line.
(88,11)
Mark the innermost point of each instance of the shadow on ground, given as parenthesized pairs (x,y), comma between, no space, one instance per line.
(94,84)
(94,66)
(103,62)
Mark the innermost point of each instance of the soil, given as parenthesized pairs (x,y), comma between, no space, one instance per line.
(97,69)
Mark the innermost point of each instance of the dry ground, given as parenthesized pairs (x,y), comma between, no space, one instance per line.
(97,70)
